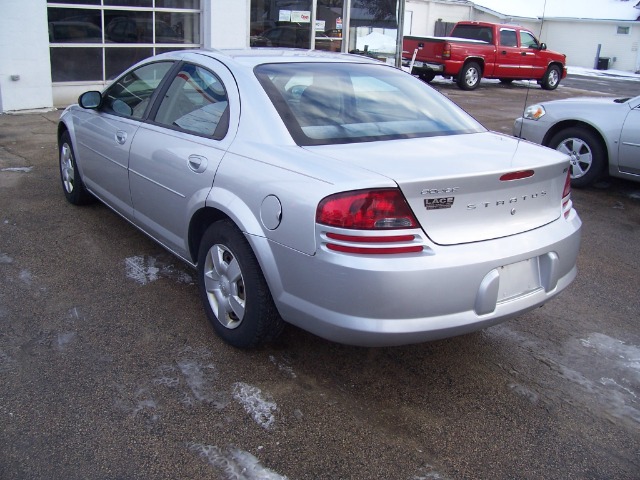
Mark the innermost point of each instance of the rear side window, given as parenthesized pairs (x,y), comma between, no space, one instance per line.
(328,103)
(196,102)
(508,38)
(473,32)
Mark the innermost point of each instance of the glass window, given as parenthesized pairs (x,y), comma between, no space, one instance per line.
(196,102)
(623,30)
(177,27)
(508,38)
(275,25)
(140,29)
(323,103)
(74,25)
(130,95)
(118,59)
(373,28)
(192,4)
(129,3)
(76,64)
(527,40)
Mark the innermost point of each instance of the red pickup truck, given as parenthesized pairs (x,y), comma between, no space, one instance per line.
(475,50)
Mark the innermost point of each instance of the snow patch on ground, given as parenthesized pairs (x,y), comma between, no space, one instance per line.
(255,404)
(144,269)
(605,370)
(17,169)
(234,463)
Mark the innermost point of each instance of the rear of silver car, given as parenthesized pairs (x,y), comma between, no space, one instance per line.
(465,228)
(486,248)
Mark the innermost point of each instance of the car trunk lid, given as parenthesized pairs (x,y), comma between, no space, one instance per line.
(467,188)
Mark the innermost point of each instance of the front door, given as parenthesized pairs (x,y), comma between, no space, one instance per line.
(629,153)
(107,134)
(533,60)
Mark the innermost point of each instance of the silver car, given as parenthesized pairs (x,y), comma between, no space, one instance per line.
(600,135)
(329,191)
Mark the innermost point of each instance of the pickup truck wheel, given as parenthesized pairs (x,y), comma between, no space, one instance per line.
(469,76)
(551,78)
(233,289)
(587,153)
(427,77)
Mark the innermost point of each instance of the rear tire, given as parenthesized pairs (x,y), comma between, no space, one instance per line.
(469,76)
(72,184)
(233,290)
(427,77)
(551,78)
(588,154)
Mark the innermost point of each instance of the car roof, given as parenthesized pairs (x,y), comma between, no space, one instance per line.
(250,57)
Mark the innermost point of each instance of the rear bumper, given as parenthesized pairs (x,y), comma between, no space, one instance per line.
(402,299)
(424,66)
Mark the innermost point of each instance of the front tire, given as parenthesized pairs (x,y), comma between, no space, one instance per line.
(235,294)
(587,153)
(72,184)
(469,76)
(551,78)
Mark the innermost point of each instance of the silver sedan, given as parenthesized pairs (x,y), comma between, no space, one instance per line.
(600,135)
(328,191)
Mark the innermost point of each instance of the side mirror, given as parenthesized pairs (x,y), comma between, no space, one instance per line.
(543,46)
(91,100)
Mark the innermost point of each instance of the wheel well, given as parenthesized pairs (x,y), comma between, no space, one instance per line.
(200,221)
(556,64)
(62,128)
(575,124)
(479,61)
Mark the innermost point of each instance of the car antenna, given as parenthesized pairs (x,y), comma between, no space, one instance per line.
(526,97)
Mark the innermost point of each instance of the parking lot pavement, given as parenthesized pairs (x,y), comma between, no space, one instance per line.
(108,368)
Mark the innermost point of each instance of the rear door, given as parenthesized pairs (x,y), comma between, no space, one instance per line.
(175,156)
(508,55)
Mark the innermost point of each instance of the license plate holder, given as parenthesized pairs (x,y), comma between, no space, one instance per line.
(518,279)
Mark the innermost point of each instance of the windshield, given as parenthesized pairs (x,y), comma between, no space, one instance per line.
(329,103)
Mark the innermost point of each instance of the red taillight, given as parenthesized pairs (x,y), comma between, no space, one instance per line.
(566,196)
(366,210)
(446,51)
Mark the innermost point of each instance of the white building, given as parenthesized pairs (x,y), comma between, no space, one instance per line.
(52,51)
(583,30)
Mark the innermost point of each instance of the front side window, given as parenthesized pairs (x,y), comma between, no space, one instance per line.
(527,40)
(328,103)
(196,102)
(130,95)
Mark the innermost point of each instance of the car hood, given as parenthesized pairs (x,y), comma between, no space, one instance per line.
(588,101)
(454,187)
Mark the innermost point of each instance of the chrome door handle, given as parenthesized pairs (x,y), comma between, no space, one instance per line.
(198,163)
(121,137)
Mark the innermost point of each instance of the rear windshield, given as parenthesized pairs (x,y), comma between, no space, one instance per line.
(329,103)
(473,32)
